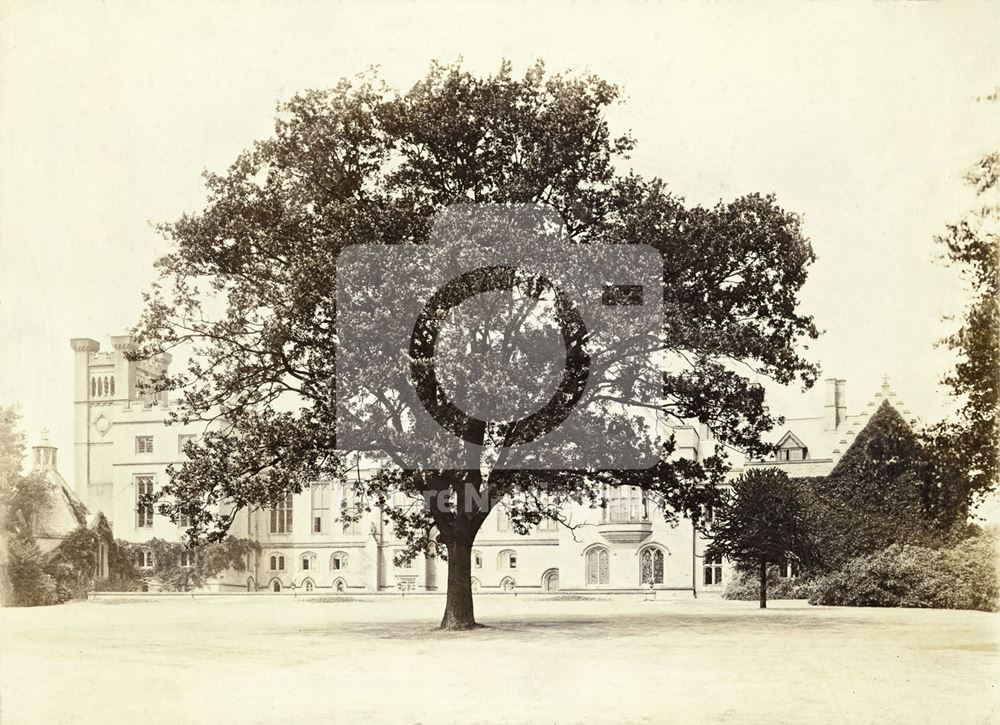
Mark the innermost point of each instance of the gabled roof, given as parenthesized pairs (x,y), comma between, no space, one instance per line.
(830,445)
(790,438)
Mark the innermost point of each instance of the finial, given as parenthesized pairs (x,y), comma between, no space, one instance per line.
(885,383)
(45,436)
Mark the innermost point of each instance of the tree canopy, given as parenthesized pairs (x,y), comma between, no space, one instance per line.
(249,290)
(767,519)
(967,445)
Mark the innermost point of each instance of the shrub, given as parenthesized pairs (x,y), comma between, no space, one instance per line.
(963,576)
(30,585)
(746,586)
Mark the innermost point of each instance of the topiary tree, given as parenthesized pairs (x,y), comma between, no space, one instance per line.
(765,520)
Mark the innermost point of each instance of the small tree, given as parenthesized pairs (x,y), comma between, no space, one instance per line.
(766,520)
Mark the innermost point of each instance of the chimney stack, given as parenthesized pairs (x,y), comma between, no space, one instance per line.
(835,408)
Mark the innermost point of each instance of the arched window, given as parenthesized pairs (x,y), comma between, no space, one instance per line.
(275,585)
(308,585)
(144,559)
(651,565)
(281,516)
(277,562)
(112,384)
(144,587)
(339,585)
(338,561)
(308,561)
(507,584)
(477,560)
(251,584)
(93,387)
(508,559)
(598,566)
(475,584)
(186,558)
(550,580)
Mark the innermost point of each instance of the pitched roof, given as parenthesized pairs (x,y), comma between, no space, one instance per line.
(66,513)
(827,445)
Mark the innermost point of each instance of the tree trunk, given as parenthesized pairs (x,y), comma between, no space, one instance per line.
(763,584)
(458,610)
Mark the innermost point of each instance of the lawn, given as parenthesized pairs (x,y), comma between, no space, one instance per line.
(268,659)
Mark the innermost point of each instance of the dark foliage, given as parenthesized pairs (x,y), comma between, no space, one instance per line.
(359,163)
(962,576)
(966,462)
(766,520)
(878,492)
(746,586)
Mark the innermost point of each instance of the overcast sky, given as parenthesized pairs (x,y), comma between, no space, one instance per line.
(861,118)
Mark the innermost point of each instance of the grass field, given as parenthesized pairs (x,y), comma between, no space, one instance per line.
(266,659)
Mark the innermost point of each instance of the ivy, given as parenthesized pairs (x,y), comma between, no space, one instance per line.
(207,560)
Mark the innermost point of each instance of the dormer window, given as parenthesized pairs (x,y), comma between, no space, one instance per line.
(790,448)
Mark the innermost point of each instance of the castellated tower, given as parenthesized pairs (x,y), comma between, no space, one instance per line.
(121,443)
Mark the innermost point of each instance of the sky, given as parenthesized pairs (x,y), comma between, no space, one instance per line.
(860,117)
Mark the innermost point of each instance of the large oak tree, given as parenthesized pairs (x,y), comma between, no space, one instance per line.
(249,290)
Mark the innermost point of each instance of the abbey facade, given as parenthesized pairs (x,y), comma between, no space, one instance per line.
(122,448)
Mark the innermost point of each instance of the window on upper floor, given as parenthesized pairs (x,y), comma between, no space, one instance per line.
(144,444)
(709,513)
(182,440)
(143,501)
(320,496)
(308,561)
(503,520)
(338,561)
(281,516)
(508,559)
(548,525)
(790,448)
(277,562)
(477,560)
(625,504)
(349,509)
(183,519)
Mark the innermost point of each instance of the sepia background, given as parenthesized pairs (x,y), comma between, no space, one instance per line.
(861,121)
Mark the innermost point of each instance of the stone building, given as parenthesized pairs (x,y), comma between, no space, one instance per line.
(123,448)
